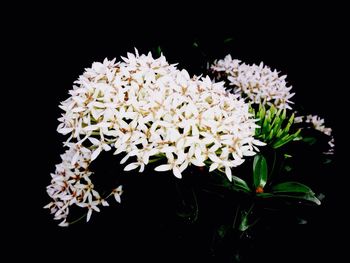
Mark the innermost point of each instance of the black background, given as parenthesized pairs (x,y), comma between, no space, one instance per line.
(56,43)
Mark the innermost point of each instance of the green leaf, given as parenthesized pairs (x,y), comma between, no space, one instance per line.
(284,114)
(277,125)
(158,51)
(272,110)
(266,124)
(279,133)
(270,135)
(290,122)
(291,187)
(307,197)
(259,171)
(296,196)
(237,183)
(265,195)
(262,112)
(286,139)
(240,184)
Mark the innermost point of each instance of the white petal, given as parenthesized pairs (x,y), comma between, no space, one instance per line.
(117,197)
(168,149)
(249,153)
(91,128)
(104,202)
(228,172)
(94,141)
(197,162)
(126,157)
(65,131)
(63,223)
(106,147)
(163,167)
(183,166)
(95,153)
(75,158)
(95,208)
(88,216)
(215,158)
(142,168)
(258,143)
(176,172)
(131,166)
(213,166)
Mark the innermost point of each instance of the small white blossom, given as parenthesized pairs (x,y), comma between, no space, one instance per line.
(117,192)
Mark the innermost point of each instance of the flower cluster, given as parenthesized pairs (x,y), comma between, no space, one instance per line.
(148,110)
(71,184)
(259,83)
(317,123)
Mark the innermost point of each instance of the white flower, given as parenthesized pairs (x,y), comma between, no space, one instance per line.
(71,185)
(117,192)
(317,123)
(148,110)
(259,83)
(101,145)
(146,107)
(91,206)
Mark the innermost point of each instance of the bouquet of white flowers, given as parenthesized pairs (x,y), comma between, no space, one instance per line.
(234,131)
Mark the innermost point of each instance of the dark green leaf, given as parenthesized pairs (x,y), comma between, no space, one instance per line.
(237,183)
(240,184)
(259,171)
(158,51)
(293,196)
(265,195)
(291,187)
(307,197)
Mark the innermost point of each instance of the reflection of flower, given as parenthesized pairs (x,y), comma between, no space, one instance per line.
(259,83)
(148,109)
